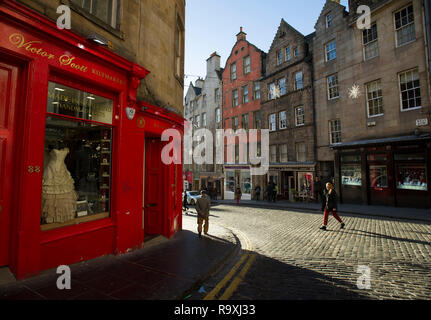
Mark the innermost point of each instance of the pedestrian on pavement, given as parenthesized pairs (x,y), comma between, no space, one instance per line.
(257,192)
(269,191)
(274,196)
(238,195)
(317,189)
(330,206)
(203,205)
(185,207)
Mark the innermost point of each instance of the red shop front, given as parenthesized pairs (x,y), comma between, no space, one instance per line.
(81,174)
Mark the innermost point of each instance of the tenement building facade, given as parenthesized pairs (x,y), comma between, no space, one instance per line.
(287,111)
(372,102)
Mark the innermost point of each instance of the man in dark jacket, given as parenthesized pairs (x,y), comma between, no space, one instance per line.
(329,205)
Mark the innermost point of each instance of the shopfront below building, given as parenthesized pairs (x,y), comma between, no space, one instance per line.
(294,180)
(237,176)
(393,172)
(80,169)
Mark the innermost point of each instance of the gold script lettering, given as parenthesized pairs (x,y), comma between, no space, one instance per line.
(65,60)
(18,40)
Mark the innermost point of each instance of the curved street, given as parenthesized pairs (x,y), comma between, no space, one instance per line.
(294,259)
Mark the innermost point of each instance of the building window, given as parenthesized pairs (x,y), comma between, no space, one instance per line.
(257,122)
(217,95)
(331,51)
(378,176)
(218,115)
(235,98)
(273,153)
(246,65)
(374,99)
(235,123)
(204,119)
(76,184)
(179,49)
(272,122)
(283,153)
(245,96)
(105,10)
(233,71)
(412,177)
(245,121)
(271,90)
(328,20)
(283,120)
(296,52)
(198,121)
(256,90)
(204,101)
(298,80)
(288,54)
(279,57)
(410,90)
(405,26)
(371,45)
(333,87)
(334,131)
(299,116)
(351,175)
(282,85)
(301,152)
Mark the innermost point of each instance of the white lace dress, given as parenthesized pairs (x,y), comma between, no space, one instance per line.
(58,190)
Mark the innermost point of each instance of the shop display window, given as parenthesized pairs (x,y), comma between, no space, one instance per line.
(378,177)
(351,175)
(245,183)
(412,177)
(230,181)
(76,184)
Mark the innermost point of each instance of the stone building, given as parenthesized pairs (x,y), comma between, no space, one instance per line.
(150,33)
(372,102)
(202,108)
(241,110)
(287,111)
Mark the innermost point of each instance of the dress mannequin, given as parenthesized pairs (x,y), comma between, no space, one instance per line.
(58,191)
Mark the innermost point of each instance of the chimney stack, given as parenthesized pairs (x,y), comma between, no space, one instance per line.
(213,63)
(241,35)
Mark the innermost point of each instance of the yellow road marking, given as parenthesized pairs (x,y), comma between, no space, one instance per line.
(235,283)
(213,293)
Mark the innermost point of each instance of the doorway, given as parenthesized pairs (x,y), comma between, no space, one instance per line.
(154,193)
(8,100)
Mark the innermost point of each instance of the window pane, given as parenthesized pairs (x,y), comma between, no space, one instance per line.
(68,101)
(378,177)
(412,177)
(351,175)
(77,172)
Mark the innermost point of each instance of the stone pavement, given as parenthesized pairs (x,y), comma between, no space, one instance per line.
(378,211)
(165,269)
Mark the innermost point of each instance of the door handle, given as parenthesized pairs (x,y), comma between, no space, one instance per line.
(153,204)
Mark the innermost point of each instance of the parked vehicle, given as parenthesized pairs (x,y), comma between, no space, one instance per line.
(192,196)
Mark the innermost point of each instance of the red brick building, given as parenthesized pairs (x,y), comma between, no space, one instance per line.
(241,108)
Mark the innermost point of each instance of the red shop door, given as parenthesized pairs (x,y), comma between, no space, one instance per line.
(8,90)
(154,180)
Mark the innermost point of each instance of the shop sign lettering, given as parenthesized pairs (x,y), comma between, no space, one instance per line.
(30,46)
(66,60)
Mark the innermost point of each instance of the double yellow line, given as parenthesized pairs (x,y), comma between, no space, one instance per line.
(237,280)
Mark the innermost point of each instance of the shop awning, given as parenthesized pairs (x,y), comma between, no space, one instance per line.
(382,141)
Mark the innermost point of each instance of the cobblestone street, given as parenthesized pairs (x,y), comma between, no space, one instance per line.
(297,260)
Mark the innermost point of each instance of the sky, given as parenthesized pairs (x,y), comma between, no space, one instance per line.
(212,25)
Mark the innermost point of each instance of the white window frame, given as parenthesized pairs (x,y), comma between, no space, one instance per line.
(303,152)
(328,87)
(401,93)
(256,84)
(279,57)
(370,43)
(233,71)
(286,158)
(405,26)
(272,121)
(243,91)
(282,115)
(287,54)
(327,52)
(376,98)
(285,86)
(204,119)
(271,92)
(235,98)
(299,116)
(328,22)
(198,121)
(333,132)
(247,67)
(301,80)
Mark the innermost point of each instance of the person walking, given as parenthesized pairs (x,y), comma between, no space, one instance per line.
(238,195)
(330,206)
(269,191)
(317,190)
(275,193)
(203,205)
(185,207)
(257,192)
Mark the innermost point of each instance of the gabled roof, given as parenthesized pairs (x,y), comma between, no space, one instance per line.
(329,5)
(284,26)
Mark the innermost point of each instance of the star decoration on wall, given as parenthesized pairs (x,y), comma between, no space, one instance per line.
(276,92)
(354,91)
